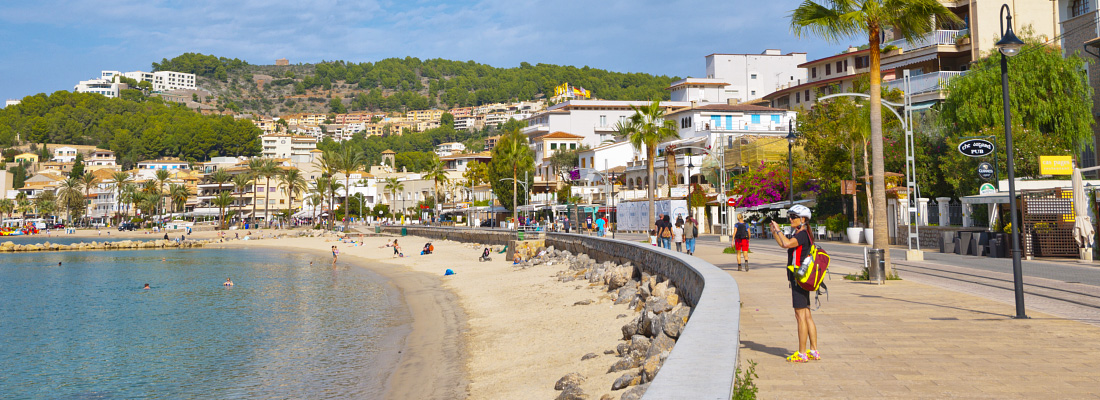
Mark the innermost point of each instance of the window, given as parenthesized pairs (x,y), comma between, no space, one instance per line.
(553,146)
(752,76)
(603,120)
(1079,7)
(845,64)
(775,119)
(861,62)
(756,118)
(813,72)
(797,97)
(572,146)
(828,69)
(839,67)
(752,93)
(807,95)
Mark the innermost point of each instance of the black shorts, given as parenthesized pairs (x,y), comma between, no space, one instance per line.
(800,298)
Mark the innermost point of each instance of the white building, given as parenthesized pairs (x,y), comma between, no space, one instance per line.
(64,154)
(101,86)
(10,102)
(593,120)
(162,81)
(287,146)
(446,149)
(751,76)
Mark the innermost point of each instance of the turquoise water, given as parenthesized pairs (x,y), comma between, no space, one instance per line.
(86,329)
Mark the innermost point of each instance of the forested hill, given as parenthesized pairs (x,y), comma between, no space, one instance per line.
(397,84)
(135,130)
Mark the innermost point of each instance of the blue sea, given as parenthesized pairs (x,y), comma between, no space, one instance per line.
(87,329)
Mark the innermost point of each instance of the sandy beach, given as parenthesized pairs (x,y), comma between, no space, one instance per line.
(489,332)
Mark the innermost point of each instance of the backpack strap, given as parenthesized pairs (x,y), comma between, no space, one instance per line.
(817,297)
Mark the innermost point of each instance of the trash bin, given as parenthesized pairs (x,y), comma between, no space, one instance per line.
(519,235)
(378,229)
(404,231)
(876,266)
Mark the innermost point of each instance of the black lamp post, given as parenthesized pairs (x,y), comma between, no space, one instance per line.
(790,162)
(1010,45)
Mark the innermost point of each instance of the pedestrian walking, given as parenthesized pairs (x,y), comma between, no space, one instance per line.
(690,233)
(664,233)
(797,245)
(678,235)
(741,241)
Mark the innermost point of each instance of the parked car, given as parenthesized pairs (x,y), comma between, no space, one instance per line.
(488,223)
(126,226)
(58,226)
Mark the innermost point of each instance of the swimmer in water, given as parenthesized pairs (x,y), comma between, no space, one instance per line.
(59,263)
(228,282)
(146,286)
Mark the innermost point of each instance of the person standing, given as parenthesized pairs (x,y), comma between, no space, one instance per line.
(798,245)
(600,226)
(664,233)
(335,255)
(741,241)
(678,235)
(689,235)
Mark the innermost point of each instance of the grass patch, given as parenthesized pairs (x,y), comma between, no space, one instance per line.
(729,250)
(865,275)
(743,386)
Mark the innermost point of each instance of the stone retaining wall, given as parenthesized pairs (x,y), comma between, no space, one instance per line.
(703,363)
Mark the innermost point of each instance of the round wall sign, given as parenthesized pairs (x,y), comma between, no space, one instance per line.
(985,170)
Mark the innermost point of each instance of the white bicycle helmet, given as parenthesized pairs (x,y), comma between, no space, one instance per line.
(800,210)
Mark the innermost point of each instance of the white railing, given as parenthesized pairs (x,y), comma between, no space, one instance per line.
(930,82)
(933,38)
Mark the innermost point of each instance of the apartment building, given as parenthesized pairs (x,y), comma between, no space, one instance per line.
(64,154)
(423,115)
(545,146)
(593,120)
(101,86)
(287,146)
(462,112)
(827,75)
(1079,22)
(459,162)
(444,149)
(751,76)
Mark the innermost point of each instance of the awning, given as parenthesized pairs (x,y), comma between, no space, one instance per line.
(910,61)
(988,198)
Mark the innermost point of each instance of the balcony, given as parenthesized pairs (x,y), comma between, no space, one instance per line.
(540,128)
(934,38)
(926,83)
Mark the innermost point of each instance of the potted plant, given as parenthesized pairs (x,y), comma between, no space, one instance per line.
(963,39)
(836,224)
(869,234)
(854,234)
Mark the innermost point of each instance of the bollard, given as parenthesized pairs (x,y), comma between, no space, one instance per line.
(876,266)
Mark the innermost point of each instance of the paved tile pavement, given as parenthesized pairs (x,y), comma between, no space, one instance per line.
(906,339)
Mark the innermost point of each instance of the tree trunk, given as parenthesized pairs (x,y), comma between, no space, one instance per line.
(514,205)
(868,188)
(651,154)
(879,170)
(855,198)
(347,195)
(255,197)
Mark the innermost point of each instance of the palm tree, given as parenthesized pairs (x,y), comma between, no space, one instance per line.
(847,18)
(89,180)
(241,182)
(161,177)
(71,196)
(646,129)
(268,170)
(437,174)
(223,200)
(345,160)
(7,206)
(393,186)
(179,195)
(512,149)
(128,196)
(315,200)
(122,179)
(294,184)
(255,166)
(45,204)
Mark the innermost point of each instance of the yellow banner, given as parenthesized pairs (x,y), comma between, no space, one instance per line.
(1056,165)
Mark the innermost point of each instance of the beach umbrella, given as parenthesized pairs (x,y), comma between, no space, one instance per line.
(1082,224)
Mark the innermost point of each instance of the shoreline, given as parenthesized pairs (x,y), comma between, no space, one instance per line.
(428,359)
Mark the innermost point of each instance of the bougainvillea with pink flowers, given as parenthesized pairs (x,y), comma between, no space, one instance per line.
(767,183)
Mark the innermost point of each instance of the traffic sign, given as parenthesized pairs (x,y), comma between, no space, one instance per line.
(985,170)
(732,202)
(976,147)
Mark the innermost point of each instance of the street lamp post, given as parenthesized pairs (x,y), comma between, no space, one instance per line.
(790,161)
(1010,45)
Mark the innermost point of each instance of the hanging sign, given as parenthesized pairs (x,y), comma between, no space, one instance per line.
(976,148)
(847,187)
(1056,165)
(985,170)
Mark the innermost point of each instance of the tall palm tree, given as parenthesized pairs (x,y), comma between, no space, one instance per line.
(437,173)
(315,200)
(646,129)
(71,195)
(255,168)
(241,182)
(393,186)
(128,195)
(179,195)
(834,20)
(223,200)
(512,149)
(45,204)
(346,161)
(88,181)
(271,169)
(161,177)
(122,179)
(293,184)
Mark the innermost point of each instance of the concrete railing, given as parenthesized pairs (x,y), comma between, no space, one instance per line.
(703,363)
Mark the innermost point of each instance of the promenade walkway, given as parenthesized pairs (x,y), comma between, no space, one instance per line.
(906,340)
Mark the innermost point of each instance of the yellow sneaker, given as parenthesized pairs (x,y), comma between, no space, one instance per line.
(797,358)
(813,355)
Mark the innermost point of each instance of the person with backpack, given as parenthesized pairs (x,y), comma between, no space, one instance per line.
(690,233)
(741,241)
(798,245)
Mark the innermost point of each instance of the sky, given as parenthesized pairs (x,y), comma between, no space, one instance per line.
(50,45)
